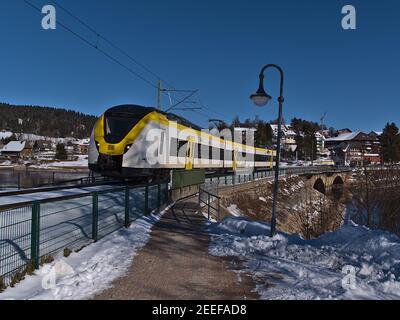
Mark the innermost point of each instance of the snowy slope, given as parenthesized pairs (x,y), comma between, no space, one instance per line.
(287,267)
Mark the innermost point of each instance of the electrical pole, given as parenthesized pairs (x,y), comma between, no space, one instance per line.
(159,90)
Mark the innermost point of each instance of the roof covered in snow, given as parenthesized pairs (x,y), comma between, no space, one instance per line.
(344,137)
(14,146)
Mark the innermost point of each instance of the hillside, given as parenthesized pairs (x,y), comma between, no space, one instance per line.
(45,121)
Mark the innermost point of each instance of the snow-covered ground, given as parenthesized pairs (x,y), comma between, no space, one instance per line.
(82,162)
(88,272)
(351,263)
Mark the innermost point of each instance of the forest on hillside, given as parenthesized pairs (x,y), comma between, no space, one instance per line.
(45,121)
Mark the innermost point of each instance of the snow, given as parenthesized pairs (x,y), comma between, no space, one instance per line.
(92,270)
(344,137)
(82,162)
(14,146)
(34,137)
(287,267)
(5,134)
(234,210)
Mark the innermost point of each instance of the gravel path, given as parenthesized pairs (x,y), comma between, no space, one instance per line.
(176,265)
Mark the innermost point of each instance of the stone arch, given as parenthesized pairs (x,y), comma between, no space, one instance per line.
(338,181)
(319,185)
(337,187)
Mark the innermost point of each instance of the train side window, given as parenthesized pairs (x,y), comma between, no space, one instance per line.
(261,158)
(173,148)
(182,147)
(215,153)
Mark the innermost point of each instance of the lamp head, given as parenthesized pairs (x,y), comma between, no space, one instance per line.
(261,98)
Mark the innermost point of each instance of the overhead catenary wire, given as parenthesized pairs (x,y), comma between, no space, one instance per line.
(111,43)
(118,48)
(96,47)
(123,65)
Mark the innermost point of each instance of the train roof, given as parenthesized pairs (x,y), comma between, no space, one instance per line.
(138,111)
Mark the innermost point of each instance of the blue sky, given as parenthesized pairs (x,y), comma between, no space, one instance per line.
(217,47)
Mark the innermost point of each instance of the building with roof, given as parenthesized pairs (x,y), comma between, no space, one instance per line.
(355,149)
(288,139)
(17,150)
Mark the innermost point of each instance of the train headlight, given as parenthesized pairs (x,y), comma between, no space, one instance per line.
(127,148)
(97,145)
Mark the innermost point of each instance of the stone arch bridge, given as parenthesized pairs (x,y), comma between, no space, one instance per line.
(327,182)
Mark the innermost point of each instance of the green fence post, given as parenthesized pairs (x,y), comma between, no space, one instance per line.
(35,234)
(200,197)
(127,208)
(159,197)
(208,204)
(146,201)
(166,199)
(95,215)
(226,180)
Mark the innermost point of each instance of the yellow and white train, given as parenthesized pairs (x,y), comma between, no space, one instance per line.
(132,141)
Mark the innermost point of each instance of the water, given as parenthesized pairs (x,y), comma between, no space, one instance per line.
(10,179)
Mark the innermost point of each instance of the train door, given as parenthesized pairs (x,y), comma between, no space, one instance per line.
(189,154)
(234,158)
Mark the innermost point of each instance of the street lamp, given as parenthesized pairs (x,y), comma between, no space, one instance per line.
(261,98)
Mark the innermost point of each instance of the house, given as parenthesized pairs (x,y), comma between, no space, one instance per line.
(81,148)
(288,139)
(344,131)
(42,146)
(375,134)
(321,150)
(355,149)
(17,149)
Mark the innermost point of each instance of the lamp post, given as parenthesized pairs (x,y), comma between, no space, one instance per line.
(261,98)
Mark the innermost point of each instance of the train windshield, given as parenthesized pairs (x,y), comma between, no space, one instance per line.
(118,125)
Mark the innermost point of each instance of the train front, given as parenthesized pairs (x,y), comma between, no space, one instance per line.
(113,139)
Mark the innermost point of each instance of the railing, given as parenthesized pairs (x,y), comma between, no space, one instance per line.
(34,179)
(241,178)
(34,232)
(206,199)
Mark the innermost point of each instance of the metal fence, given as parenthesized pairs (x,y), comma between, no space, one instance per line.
(32,179)
(210,200)
(34,232)
(241,178)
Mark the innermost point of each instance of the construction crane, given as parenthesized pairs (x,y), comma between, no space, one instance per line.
(322,120)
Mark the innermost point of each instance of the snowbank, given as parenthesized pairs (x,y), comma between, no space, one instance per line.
(287,267)
(91,271)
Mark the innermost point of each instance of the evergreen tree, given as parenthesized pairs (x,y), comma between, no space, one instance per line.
(9,139)
(61,153)
(305,138)
(45,121)
(390,141)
